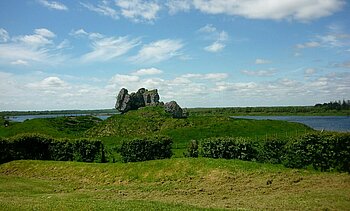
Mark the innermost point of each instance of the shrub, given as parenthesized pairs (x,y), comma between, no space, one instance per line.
(192,149)
(272,150)
(30,146)
(41,147)
(324,151)
(229,148)
(62,150)
(5,151)
(88,150)
(158,147)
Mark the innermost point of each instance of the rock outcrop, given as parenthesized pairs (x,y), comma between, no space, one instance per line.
(142,98)
(174,108)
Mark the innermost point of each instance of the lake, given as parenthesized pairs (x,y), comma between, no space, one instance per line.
(22,118)
(330,123)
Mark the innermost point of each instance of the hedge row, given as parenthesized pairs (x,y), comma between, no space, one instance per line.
(229,148)
(41,147)
(322,151)
(151,148)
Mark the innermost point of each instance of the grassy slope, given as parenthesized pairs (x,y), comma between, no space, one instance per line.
(56,127)
(175,184)
(154,120)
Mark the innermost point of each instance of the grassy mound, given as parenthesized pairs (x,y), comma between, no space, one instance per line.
(150,121)
(174,184)
(73,126)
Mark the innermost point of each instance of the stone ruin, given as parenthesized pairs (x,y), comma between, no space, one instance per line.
(143,98)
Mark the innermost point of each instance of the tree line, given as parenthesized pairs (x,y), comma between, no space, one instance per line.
(335,105)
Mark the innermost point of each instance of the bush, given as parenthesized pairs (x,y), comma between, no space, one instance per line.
(143,149)
(272,150)
(62,150)
(30,146)
(5,151)
(192,149)
(323,151)
(86,150)
(41,147)
(229,148)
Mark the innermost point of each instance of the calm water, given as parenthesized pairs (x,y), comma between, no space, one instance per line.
(331,123)
(28,117)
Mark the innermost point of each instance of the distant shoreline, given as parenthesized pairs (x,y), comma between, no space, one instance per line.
(216,111)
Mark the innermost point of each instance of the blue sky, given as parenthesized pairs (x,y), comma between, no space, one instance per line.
(202,53)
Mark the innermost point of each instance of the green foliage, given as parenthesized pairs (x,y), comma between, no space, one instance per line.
(41,147)
(5,150)
(86,150)
(229,148)
(158,147)
(323,151)
(192,149)
(272,150)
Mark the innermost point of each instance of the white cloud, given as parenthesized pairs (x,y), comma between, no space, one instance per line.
(49,84)
(215,47)
(211,33)
(124,79)
(215,76)
(158,51)
(40,38)
(209,28)
(207,76)
(336,37)
(223,36)
(79,32)
(64,44)
(345,64)
(175,6)
(240,87)
(138,10)
(310,71)
(4,35)
(83,33)
(109,48)
(53,5)
(334,40)
(300,10)
(259,73)
(262,61)
(35,91)
(37,47)
(103,8)
(311,44)
(148,71)
(44,33)
(19,62)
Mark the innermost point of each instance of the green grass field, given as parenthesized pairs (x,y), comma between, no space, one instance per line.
(173,184)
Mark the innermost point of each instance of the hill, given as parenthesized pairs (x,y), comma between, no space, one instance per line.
(72,126)
(174,184)
(150,121)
